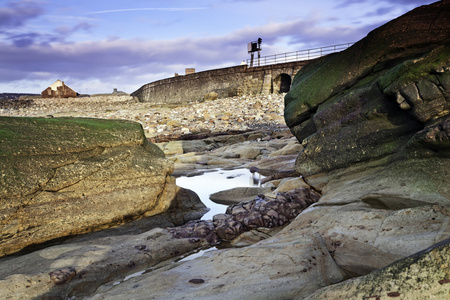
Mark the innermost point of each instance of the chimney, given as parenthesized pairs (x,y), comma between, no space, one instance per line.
(189,71)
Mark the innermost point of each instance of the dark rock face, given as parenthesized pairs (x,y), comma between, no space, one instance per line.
(386,99)
(260,212)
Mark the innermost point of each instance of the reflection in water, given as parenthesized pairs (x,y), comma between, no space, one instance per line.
(211,182)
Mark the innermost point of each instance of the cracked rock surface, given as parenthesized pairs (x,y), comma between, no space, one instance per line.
(66,176)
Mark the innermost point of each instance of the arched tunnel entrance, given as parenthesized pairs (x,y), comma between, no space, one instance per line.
(285,83)
(282,83)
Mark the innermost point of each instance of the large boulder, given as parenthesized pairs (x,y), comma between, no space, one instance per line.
(66,176)
(276,268)
(384,102)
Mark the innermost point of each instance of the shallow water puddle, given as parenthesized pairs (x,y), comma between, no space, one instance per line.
(204,185)
(219,180)
(196,254)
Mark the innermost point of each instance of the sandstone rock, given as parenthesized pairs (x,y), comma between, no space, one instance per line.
(288,184)
(65,176)
(400,184)
(362,239)
(95,262)
(211,96)
(276,268)
(253,236)
(347,232)
(291,148)
(423,275)
(282,162)
(246,152)
(236,195)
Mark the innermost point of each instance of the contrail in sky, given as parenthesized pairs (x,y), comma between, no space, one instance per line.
(150,8)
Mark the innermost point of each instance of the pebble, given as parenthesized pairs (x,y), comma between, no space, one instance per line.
(221,115)
(63,275)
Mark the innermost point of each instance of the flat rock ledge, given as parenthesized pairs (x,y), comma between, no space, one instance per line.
(415,277)
(78,269)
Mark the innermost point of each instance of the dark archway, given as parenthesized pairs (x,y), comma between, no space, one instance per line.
(285,83)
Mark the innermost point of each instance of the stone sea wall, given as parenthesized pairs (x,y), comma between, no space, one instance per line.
(226,82)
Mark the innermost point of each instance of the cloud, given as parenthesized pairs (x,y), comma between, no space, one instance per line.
(67,30)
(167,9)
(25,38)
(28,39)
(126,63)
(16,14)
(406,3)
(13,25)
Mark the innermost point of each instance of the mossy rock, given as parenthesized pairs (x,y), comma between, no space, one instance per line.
(67,176)
(371,100)
(405,38)
(32,136)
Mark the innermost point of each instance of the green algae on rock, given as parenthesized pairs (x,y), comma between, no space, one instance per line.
(65,176)
(383,100)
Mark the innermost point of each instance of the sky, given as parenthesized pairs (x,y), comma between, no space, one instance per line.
(95,46)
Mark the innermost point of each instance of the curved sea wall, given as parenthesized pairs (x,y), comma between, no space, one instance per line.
(220,83)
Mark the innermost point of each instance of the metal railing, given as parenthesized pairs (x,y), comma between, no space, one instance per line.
(297,55)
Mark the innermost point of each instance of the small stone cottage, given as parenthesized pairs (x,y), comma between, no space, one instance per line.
(58,90)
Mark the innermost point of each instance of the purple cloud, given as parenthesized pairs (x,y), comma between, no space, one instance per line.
(406,3)
(130,63)
(166,9)
(116,57)
(67,30)
(16,14)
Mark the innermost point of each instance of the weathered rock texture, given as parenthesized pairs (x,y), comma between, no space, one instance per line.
(421,276)
(261,212)
(96,262)
(322,246)
(65,176)
(385,101)
(382,168)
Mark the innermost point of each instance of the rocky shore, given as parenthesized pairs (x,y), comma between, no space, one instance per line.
(250,134)
(355,202)
(162,122)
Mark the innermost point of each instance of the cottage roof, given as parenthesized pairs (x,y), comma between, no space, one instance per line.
(56,84)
